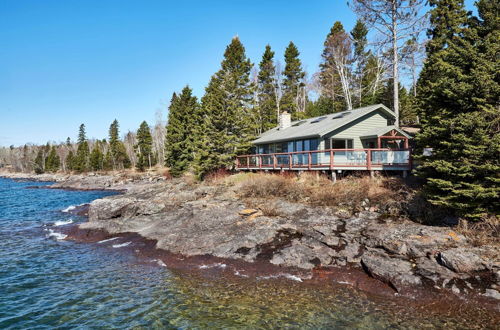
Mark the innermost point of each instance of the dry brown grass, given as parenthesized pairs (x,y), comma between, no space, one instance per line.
(354,193)
(484,232)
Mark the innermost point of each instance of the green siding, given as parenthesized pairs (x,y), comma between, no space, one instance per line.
(359,127)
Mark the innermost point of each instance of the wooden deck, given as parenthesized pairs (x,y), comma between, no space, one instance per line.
(330,159)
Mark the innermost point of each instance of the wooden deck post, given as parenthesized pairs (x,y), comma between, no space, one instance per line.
(369,159)
(309,160)
(248,162)
(274,161)
(260,161)
(331,159)
(290,161)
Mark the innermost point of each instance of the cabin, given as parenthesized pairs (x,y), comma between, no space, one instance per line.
(365,139)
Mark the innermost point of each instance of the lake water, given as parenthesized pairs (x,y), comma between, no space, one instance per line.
(46,282)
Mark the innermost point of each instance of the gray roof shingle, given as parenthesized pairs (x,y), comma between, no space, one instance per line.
(318,126)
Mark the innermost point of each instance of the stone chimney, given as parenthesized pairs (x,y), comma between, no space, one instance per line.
(285,120)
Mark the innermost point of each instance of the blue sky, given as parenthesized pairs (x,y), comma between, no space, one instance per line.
(68,62)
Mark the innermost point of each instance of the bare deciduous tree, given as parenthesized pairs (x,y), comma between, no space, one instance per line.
(397,21)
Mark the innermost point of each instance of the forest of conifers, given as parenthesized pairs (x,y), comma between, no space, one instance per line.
(436,65)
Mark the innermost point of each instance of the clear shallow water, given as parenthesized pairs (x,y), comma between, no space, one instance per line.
(49,283)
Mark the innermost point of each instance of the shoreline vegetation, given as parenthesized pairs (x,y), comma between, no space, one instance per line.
(303,223)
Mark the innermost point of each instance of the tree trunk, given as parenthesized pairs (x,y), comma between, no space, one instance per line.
(395,60)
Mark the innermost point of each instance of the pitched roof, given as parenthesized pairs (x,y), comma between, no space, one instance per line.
(379,131)
(317,126)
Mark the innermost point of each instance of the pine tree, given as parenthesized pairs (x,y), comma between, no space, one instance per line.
(458,93)
(227,129)
(182,132)
(81,163)
(70,161)
(96,157)
(293,83)
(266,93)
(144,147)
(119,157)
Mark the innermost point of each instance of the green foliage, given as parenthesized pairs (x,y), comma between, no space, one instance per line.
(81,161)
(39,163)
(96,158)
(329,78)
(53,161)
(182,132)
(119,157)
(70,161)
(293,80)
(227,125)
(144,147)
(266,93)
(458,102)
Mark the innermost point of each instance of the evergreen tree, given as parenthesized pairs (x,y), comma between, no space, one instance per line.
(266,93)
(52,162)
(293,82)
(39,162)
(70,161)
(458,100)
(144,147)
(81,163)
(182,132)
(227,129)
(329,78)
(359,36)
(96,157)
(119,157)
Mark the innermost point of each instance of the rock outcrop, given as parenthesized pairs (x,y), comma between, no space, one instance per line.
(199,219)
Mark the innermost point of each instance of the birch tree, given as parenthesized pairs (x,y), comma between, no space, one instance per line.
(397,21)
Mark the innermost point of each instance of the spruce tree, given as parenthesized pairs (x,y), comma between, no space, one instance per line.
(458,100)
(39,162)
(266,93)
(182,131)
(52,162)
(96,157)
(227,126)
(144,147)
(293,82)
(329,78)
(81,163)
(119,157)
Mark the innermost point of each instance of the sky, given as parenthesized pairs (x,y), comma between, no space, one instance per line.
(63,63)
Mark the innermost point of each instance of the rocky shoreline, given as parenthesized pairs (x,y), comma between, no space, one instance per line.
(210,220)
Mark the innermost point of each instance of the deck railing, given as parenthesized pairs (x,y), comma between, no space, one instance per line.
(361,159)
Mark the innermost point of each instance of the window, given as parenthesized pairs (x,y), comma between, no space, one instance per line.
(317,120)
(299,123)
(342,143)
(390,121)
(299,145)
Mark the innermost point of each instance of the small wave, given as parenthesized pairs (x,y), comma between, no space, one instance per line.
(121,245)
(107,240)
(217,265)
(160,263)
(285,275)
(55,235)
(69,208)
(63,222)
